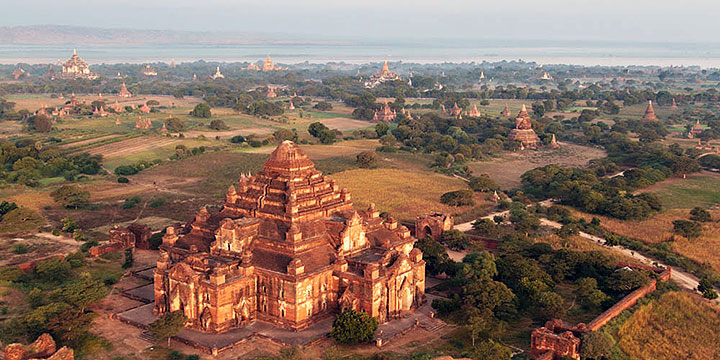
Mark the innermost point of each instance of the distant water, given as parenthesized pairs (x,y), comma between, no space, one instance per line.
(567,52)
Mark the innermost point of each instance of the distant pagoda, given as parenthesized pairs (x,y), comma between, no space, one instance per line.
(474,112)
(268,64)
(76,68)
(124,91)
(523,131)
(218,74)
(145,108)
(506,111)
(650,112)
(695,131)
(143,124)
(674,105)
(271,93)
(386,113)
(456,110)
(148,71)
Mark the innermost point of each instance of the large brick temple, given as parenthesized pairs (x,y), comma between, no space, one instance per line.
(287,247)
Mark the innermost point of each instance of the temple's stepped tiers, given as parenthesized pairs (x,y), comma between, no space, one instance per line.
(287,248)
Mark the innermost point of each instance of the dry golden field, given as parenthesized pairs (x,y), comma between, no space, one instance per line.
(507,169)
(659,228)
(402,193)
(679,326)
(578,243)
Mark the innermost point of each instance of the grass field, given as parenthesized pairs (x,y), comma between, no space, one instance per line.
(678,326)
(402,193)
(697,190)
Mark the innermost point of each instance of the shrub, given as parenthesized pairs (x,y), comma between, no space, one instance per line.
(131,202)
(218,125)
(123,180)
(71,196)
(175,124)
(237,139)
(367,159)
(201,110)
(352,327)
(255,143)
(20,249)
(688,229)
(53,270)
(457,198)
(700,214)
(455,239)
(596,345)
(323,106)
(157,202)
(482,183)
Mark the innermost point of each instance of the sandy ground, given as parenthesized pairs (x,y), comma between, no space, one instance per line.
(131,146)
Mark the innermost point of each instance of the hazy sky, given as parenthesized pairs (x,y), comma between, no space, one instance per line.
(634,20)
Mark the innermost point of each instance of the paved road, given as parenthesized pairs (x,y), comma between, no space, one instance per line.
(683,279)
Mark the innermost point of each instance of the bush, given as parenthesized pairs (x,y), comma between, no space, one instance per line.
(71,196)
(202,111)
(255,143)
(455,240)
(688,229)
(54,270)
(458,198)
(285,134)
(700,214)
(157,202)
(367,159)
(218,125)
(352,327)
(131,202)
(175,125)
(482,183)
(20,249)
(323,106)
(237,139)
(596,345)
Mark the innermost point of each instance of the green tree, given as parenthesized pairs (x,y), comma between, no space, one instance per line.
(167,325)
(285,134)
(327,136)
(688,229)
(588,293)
(316,128)
(129,260)
(80,294)
(323,106)
(71,196)
(596,345)
(458,198)
(367,159)
(552,305)
(174,124)
(53,270)
(707,289)
(482,183)
(455,239)
(201,110)
(381,129)
(434,254)
(491,350)
(700,214)
(217,124)
(352,327)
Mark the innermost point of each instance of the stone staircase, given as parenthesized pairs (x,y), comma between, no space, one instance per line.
(432,324)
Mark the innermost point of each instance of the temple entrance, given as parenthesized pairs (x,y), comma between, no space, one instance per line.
(406,299)
(428,231)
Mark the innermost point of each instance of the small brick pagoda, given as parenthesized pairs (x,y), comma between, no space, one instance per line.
(523,131)
(650,112)
(288,248)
